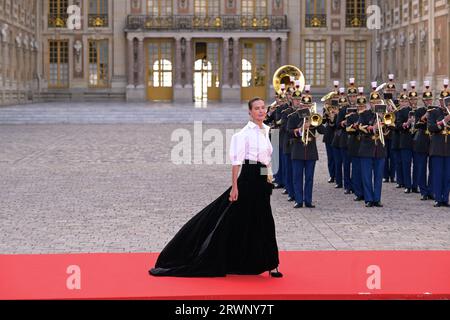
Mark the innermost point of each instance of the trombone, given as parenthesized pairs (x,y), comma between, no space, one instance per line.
(380,125)
(315,120)
(389,117)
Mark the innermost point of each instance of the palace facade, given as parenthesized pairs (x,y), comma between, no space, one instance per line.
(210,50)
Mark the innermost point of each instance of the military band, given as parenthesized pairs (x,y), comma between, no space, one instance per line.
(389,136)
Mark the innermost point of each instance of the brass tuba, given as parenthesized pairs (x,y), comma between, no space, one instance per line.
(284,74)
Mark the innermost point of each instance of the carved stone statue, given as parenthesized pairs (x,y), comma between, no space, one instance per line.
(393,42)
(4,31)
(423,36)
(78,45)
(336,53)
(336,4)
(402,39)
(412,38)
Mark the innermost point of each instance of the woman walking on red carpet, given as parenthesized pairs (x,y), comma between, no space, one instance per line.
(235,234)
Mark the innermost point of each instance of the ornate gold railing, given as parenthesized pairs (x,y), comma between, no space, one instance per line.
(98,20)
(316,20)
(57,20)
(355,20)
(222,22)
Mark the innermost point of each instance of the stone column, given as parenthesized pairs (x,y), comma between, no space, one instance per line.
(177,67)
(284,51)
(130,62)
(189,63)
(273,56)
(183,92)
(19,67)
(225,63)
(136,88)
(236,63)
(141,63)
(3,63)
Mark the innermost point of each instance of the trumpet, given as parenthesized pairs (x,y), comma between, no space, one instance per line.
(329,110)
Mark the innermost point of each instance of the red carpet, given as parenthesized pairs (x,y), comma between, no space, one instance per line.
(307,275)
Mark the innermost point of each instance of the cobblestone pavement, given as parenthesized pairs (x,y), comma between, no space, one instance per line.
(114,188)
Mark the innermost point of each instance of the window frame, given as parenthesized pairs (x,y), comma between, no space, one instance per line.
(59,83)
(105,82)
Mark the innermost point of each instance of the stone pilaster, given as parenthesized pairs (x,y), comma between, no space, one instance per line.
(141,64)
(130,62)
(236,63)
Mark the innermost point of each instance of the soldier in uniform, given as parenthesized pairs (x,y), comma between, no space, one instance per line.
(336,143)
(352,92)
(284,104)
(438,125)
(354,144)
(372,155)
(389,166)
(402,123)
(341,123)
(273,116)
(395,148)
(304,153)
(329,122)
(421,144)
(286,144)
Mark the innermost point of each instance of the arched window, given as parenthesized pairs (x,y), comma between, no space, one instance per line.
(246,73)
(202,79)
(162,73)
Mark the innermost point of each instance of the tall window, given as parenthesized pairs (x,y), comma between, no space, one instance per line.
(254,7)
(160,62)
(315,62)
(59,63)
(98,13)
(316,14)
(355,13)
(355,60)
(206,7)
(159,7)
(98,63)
(254,65)
(57,13)
(421,8)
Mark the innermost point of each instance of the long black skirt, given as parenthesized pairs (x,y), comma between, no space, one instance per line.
(226,238)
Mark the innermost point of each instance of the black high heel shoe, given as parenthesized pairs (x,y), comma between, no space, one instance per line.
(276,274)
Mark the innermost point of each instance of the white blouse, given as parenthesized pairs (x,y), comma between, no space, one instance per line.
(251,143)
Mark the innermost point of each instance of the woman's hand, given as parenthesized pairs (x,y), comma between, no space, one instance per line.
(233,194)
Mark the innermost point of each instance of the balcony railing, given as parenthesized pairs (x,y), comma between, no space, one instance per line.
(98,20)
(57,20)
(355,20)
(212,23)
(316,20)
